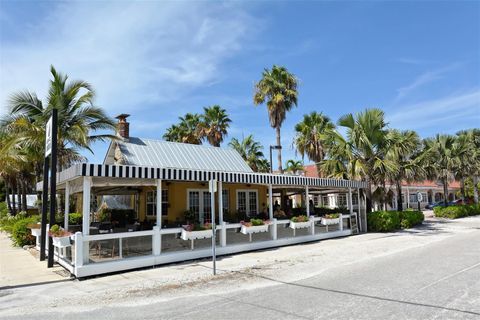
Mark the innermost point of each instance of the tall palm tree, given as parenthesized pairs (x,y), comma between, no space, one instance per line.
(189,128)
(361,154)
(313,134)
(404,151)
(294,166)
(214,125)
(173,134)
(467,152)
(440,160)
(251,151)
(278,88)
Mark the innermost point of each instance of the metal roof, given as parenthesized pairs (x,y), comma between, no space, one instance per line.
(157,153)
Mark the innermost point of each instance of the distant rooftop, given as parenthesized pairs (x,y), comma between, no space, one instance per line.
(158,153)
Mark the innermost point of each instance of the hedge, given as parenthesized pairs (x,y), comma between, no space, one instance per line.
(21,235)
(455,212)
(387,221)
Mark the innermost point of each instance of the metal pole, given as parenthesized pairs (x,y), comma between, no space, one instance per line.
(53,185)
(43,234)
(271,165)
(214,240)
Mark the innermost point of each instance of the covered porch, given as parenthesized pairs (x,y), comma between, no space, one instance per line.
(156,233)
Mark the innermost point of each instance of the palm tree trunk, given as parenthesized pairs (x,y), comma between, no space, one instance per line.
(445,191)
(19,194)
(475,189)
(38,178)
(399,196)
(280,169)
(24,195)
(462,189)
(14,194)
(9,203)
(369,195)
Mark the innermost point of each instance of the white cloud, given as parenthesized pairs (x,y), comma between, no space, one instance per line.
(133,53)
(423,79)
(449,113)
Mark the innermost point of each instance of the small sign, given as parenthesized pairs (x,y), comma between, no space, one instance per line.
(48,137)
(419,197)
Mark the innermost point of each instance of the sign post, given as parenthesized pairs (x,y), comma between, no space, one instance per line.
(419,199)
(213,188)
(50,154)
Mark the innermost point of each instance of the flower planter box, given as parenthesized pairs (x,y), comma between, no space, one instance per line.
(300,225)
(36,232)
(61,242)
(328,222)
(254,229)
(192,235)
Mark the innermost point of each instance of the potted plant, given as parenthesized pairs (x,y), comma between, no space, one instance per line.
(299,222)
(35,229)
(254,226)
(189,216)
(196,231)
(329,219)
(60,237)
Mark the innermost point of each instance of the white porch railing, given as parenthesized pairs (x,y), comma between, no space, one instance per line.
(104,253)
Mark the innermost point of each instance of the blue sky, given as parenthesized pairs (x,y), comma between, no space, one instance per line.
(418,61)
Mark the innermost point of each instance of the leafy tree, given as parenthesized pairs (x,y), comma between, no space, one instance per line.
(214,125)
(278,88)
(312,136)
(294,166)
(251,151)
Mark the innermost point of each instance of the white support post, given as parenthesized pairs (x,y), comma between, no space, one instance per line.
(270,202)
(408,198)
(365,211)
(220,202)
(67,205)
(307,200)
(78,260)
(159,203)
(350,200)
(156,241)
(274,229)
(87,185)
(359,201)
(223,233)
(312,226)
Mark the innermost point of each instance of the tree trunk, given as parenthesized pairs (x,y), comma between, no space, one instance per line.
(445,192)
(38,178)
(280,169)
(399,196)
(24,195)
(19,194)
(475,189)
(462,189)
(9,203)
(14,194)
(369,196)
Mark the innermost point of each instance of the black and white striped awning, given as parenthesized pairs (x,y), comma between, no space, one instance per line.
(138,172)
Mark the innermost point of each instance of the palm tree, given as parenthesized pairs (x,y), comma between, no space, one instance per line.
(251,151)
(440,160)
(263,165)
(214,125)
(173,134)
(278,88)
(77,119)
(312,136)
(362,153)
(404,151)
(294,166)
(466,150)
(189,128)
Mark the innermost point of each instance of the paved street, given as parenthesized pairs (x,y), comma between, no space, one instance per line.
(427,273)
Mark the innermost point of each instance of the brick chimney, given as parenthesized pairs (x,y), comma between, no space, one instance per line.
(123,127)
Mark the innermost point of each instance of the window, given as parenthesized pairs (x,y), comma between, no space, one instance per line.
(247,201)
(325,201)
(354,199)
(413,197)
(341,200)
(152,203)
(315,201)
(225,200)
(199,201)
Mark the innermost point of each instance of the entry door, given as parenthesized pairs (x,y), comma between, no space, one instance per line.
(199,203)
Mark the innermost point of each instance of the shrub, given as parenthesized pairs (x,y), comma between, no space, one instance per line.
(301,218)
(3,210)
(75,218)
(455,212)
(21,234)
(383,221)
(257,222)
(7,222)
(410,218)
(332,216)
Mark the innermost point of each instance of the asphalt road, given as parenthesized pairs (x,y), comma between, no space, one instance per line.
(440,280)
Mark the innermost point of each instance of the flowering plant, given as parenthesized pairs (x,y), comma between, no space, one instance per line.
(254,222)
(332,216)
(197,227)
(58,232)
(301,218)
